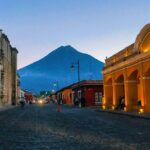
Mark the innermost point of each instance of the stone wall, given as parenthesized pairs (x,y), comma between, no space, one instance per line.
(8,66)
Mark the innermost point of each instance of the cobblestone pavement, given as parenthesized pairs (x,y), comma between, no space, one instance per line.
(42,128)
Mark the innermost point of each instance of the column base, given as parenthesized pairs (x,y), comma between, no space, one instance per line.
(108,106)
(128,108)
(147,109)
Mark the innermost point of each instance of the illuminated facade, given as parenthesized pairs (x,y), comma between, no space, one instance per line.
(127,76)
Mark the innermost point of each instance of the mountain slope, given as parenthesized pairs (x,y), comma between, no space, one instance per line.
(55,68)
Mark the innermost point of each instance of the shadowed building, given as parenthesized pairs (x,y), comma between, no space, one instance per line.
(83,93)
(8,66)
(18,93)
(127,76)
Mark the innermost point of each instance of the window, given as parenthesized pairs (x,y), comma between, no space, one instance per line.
(79,94)
(98,97)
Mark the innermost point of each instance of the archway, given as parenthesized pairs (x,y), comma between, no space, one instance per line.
(108,91)
(146,81)
(119,93)
(134,90)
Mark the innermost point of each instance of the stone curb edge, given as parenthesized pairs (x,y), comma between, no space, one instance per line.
(124,113)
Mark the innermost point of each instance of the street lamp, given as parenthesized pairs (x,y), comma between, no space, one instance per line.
(56,86)
(76,64)
(73,65)
(53,91)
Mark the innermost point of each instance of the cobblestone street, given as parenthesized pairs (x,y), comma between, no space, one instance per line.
(41,127)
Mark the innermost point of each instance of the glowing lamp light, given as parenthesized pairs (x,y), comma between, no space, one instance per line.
(40,102)
(113,107)
(53,91)
(55,84)
(103,100)
(146,50)
(141,110)
(125,109)
(103,107)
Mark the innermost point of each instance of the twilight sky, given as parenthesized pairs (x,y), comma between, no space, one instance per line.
(97,27)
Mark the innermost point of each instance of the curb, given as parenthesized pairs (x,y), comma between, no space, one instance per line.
(3,108)
(141,116)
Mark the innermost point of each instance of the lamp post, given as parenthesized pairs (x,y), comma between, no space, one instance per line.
(73,65)
(76,64)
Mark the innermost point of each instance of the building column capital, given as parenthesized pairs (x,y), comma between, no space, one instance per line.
(146,78)
(117,83)
(131,81)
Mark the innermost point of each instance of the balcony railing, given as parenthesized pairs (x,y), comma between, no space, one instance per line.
(120,56)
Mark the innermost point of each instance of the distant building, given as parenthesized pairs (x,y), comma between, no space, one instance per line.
(88,92)
(22,94)
(18,93)
(65,95)
(83,93)
(28,96)
(8,67)
(53,97)
(127,76)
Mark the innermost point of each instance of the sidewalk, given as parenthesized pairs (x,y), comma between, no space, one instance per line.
(6,107)
(121,112)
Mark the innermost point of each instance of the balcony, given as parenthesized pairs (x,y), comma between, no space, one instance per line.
(121,56)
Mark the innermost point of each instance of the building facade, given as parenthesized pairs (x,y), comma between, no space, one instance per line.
(87,93)
(65,95)
(127,76)
(18,92)
(28,96)
(83,93)
(8,67)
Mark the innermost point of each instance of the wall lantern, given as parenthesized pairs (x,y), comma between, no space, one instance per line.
(103,107)
(125,109)
(141,110)
(113,107)
(146,50)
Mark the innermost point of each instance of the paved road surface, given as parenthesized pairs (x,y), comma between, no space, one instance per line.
(42,128)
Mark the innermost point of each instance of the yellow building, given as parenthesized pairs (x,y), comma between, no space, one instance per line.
(67,96)
(127,76)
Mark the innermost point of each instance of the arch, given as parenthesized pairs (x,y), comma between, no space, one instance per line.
(146,81)
(133,75)
(119,92)
(134,90)
(120,78)
(108,93)
(142,42)
(109,81)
